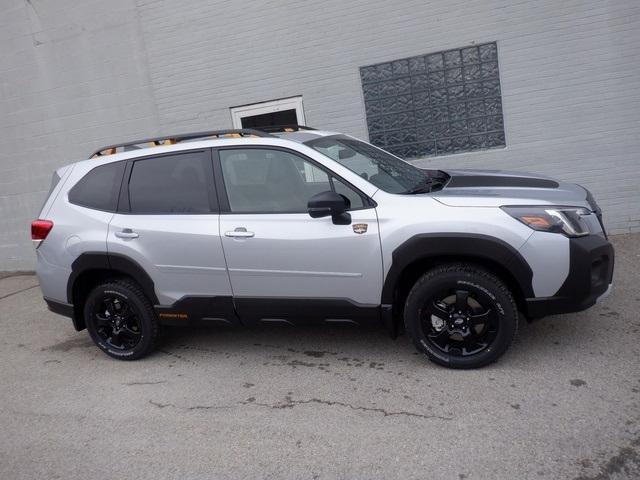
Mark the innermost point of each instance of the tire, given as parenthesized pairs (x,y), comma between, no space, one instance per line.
(121,320)
(457,329)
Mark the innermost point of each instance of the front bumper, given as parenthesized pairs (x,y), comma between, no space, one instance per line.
(589,279)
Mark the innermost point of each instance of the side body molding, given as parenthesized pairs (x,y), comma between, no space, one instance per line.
(457,246)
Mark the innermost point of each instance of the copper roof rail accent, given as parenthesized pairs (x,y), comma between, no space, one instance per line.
(172,139)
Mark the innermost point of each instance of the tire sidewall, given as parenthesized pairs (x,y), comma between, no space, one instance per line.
(504,306)
(144,317)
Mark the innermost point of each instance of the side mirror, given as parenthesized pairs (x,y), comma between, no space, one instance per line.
(332,204)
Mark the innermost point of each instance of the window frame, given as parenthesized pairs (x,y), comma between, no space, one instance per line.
(221,188)
(124,202)
(117,189)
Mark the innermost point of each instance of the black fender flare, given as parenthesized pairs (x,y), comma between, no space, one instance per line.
(113,262)
(465,246)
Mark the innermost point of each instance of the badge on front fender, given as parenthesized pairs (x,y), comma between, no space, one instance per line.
(360,227)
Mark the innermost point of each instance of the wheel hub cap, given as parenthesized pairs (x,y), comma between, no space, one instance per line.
(458,322)
(117,323)
(461,322)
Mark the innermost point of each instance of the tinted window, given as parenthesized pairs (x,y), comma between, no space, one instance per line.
(99,188)
(354,197)
(170,184)
(262,180)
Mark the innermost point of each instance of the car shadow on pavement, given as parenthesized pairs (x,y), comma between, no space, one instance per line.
(542,338)
(301,337)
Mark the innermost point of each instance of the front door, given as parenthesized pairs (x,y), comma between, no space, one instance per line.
(284,265)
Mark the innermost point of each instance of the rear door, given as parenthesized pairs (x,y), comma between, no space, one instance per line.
(284,265)
(167,222)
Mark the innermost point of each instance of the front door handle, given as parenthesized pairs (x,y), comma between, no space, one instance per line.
(239,232)
(126,233)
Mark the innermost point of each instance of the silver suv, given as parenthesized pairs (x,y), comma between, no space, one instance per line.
(295,225)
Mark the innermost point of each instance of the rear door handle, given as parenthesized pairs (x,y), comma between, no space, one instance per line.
(126,233)
(239,232)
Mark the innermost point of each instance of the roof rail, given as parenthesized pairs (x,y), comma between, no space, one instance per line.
(171,139)
(284,128)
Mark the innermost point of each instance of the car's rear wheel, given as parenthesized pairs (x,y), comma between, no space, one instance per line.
(461,316)
(120,319)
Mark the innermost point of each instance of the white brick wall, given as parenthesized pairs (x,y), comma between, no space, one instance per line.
(72,76)
(77,75)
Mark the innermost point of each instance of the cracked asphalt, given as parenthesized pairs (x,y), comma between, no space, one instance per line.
(321,403)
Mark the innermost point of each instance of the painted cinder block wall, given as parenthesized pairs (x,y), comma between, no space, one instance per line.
(78,75)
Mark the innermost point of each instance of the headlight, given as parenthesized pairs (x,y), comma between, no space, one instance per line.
(566,220)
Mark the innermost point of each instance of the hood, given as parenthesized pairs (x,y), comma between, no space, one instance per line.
(494,188)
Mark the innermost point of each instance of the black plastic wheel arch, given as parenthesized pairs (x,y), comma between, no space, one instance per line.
(114,262)
(461,247)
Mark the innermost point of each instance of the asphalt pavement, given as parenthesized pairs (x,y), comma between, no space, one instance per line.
(321,403)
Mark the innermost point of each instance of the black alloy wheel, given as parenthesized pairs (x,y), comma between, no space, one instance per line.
(461,316)
(460,321)
(117,322)
(121,319)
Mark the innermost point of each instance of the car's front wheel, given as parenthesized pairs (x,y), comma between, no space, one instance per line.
(461,316)
(121,320)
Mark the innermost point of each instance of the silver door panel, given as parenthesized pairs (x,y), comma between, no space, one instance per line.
(182,253)
(294,255)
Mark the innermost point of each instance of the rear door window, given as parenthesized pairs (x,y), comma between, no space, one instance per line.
(99,188)
(171,184)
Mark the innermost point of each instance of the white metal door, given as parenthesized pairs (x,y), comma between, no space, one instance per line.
(282,263)
(294,255)
(181,253)
(275,258)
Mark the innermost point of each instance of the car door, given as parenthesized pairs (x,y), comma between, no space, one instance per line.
(284,265)
(167,222)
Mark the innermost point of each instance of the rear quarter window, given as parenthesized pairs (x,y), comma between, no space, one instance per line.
(99,188)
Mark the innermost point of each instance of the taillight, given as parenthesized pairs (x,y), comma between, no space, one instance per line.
(40,229)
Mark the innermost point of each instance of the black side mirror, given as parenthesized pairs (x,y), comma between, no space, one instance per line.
(331,203)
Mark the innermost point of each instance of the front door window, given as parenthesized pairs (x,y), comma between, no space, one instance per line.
(275,181)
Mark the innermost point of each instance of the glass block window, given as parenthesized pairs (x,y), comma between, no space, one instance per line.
(435,104)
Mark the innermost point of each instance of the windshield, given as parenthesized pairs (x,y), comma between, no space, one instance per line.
(382,169)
